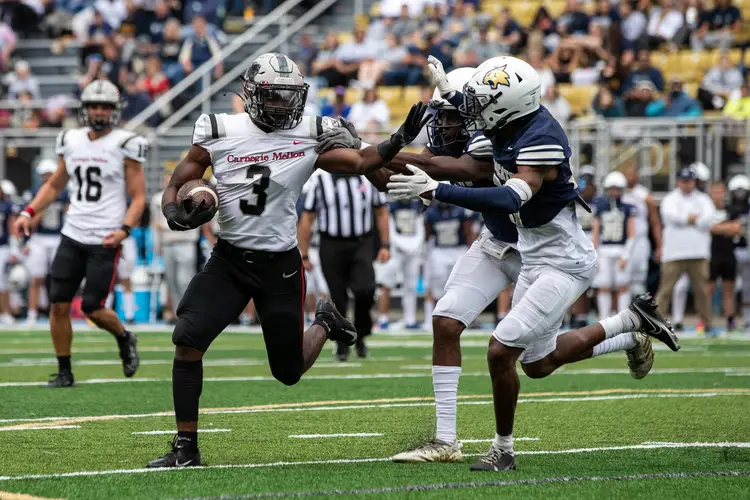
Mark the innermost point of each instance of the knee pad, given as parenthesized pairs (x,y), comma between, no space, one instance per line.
(90,305)
(451,305)
(181,335)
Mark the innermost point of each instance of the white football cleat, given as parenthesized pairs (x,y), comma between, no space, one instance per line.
(434,451)
(640,357)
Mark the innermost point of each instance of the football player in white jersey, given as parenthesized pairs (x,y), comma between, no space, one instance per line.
(646,220)
(101,165)
(261,159)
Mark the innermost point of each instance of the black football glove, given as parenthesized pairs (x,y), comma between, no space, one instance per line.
(180,219)
(407,132)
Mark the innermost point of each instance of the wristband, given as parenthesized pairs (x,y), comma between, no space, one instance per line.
(28,212)
(305,257)
(386,245)
(125,228)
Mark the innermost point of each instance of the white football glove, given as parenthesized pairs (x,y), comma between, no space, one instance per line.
(439,78)
(412,187)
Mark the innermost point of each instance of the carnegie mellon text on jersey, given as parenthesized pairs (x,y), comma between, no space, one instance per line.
(286,155)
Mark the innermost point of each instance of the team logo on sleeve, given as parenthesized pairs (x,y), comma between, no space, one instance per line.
(497,77)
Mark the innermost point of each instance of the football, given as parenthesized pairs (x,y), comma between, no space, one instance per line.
(199,190)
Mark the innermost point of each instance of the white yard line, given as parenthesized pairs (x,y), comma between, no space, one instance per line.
(348,407)
(359,460)
(42,428)
(325,436)
(470,441)
(158,433)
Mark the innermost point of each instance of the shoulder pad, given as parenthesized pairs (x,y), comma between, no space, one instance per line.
(135,147)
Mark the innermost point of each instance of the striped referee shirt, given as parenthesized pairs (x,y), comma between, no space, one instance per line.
(344,204)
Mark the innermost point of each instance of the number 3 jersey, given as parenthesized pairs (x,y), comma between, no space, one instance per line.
(259,176)
(96,190)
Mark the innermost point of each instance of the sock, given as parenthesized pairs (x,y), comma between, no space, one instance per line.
(621,342)
(128,305)
(504,443)
(187,385)
(679,301)
(746,314)
(409,303)
(125,335)
(624,321)
(623,300)
(429,308)
(32,314)
(63,363)
(191,437)
(604,304)
(445,383)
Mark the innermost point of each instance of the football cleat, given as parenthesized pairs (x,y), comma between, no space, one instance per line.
(361,348)
(61,379)
(434,451)
(653,323)
(180,456)
(640,357)
(495,460)
(337,327)
(129,354)
(342,353)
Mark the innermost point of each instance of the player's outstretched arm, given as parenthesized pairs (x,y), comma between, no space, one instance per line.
(48,193)
(445,168)
(192,167)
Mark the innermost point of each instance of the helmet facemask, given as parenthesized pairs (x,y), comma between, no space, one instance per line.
(99,124)
(474,108)
(446,129)
(276,106)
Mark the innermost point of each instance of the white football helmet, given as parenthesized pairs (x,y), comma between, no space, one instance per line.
(446,129)
(100,92)
(46,166)
(9,189)
(739,182)
(702,172)
(275,92)
(18,277)
(615,180)
(502,89)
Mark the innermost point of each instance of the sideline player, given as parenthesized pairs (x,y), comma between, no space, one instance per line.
(536,189)
(42,245)
(587,188)
(8,211)
(613,236)
(261,159)
(739,206)
(101,165)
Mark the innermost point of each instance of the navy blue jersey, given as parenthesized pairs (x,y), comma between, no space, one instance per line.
(53,217)
(613,218)
(500,226)
(741,213)
(447,224)
(540,142)
(406,215)
(7,209)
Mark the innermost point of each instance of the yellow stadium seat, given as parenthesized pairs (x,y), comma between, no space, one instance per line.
(346,37)
(660,60)
(555,7)
(579,96)
(523,12)
(375,10)
(691,89)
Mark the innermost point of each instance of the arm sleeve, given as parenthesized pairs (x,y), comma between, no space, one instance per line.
(502,199)
(135,147)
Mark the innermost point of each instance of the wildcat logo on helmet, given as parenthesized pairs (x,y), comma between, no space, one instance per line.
(497,77)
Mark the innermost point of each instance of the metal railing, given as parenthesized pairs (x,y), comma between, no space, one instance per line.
(204,70)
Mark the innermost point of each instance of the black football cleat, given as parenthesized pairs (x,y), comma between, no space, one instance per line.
(361,348)
(180,456)
(337,327)
(342,353)
(129,354)
(495,460)
(653,323)
(61,379)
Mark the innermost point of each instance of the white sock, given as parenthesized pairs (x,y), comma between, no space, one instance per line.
(621,342)
(624,321)
(504,443)
(409,303)
(679,301)
(445,383)
(604,303)
(429,307)
(746,314)
(623,300)
(128,305)
(32,314)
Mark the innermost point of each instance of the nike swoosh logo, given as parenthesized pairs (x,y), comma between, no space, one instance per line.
(288,275)
(183,464)
(297,142)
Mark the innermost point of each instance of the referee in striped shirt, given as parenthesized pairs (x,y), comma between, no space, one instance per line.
(349,209)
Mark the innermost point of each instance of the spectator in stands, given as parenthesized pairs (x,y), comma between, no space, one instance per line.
(557,105)
(717,26)
(607,105)
(675,103)
(134,100)
(213,11)
(151,28)
(482,48)
(113,65)
(719,82)
(639,98)
(411,69)
(55,112)
(169,52)
(404,26)
(459,22)
(739,108)
(612,76)
(378,29)
(98,33)
(324,65)
(564,60)
(349,56)
(542,68)
(154,82)
(23,16)
(307,51)
(338,107)
(25,115)
(94,71)
(22,81)
(544,23)
(573,21)
(8,41)
(371,114)
(644,70)
(509,33)
(664,23)
(604,15)
(388,55)
(200,47)
(632,27)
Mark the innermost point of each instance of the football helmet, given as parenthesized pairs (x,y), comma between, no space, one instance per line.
(275,92)
(446,129)
(501,90)
(46,166)
(739,182)
(100,92)
(702,173)
(615,180)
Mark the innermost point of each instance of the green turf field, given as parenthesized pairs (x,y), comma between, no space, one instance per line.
(589,431)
